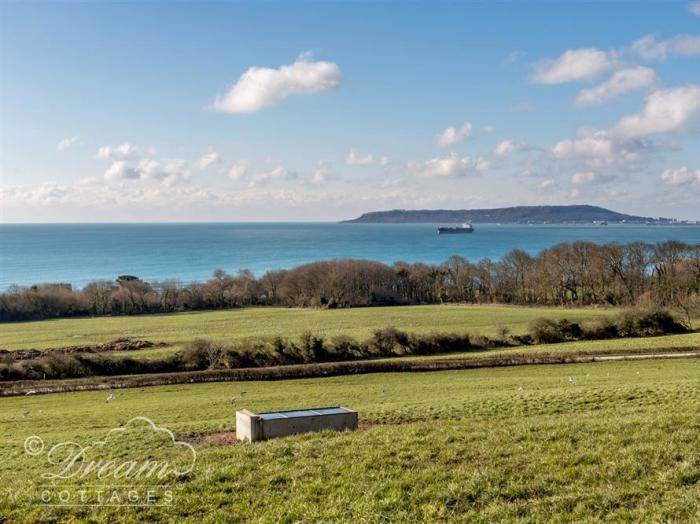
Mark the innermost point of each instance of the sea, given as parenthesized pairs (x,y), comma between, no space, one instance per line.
(81,253)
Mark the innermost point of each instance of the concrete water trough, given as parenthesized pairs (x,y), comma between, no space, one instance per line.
(261,426)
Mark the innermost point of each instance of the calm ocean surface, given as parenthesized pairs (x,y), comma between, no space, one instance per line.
(80,253)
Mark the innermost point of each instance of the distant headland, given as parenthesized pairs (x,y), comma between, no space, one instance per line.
(575,214)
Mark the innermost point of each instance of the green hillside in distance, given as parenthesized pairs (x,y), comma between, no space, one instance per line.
(574,214)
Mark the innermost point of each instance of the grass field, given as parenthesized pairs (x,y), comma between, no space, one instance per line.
(619,443)
(267,322)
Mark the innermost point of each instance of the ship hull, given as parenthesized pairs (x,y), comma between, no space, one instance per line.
(454,231)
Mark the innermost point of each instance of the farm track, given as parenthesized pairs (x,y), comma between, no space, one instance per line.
(326,369)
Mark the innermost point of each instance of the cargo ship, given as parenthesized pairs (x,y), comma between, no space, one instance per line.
(464,228)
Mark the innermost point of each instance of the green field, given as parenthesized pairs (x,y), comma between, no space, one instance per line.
(267,322)
(621,442)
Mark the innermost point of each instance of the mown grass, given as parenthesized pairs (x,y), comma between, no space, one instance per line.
(238,324)
(618,441)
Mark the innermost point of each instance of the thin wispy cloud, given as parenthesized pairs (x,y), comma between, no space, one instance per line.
(621,82)
(66,143)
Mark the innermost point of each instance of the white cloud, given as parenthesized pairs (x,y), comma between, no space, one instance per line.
(166,171)
(451,166)
(353,158)
(573,65)
(238,170)
(600,151)
(120,169)
(694,8)
(488,129)
(277,174)
(66,143)
(453,135)
(619,83)
(665,111)
(262,87)
(322,173)
(506,147)
(208,158)
(546,184)
(482,165)
(680,177)
(121,152)
(649,48)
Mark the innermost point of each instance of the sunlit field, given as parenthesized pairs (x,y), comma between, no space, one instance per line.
(238,324)
(603,442)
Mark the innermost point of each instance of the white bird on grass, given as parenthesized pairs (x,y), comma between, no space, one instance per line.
(572,378)
(30,392)
(241,396)
(111,397)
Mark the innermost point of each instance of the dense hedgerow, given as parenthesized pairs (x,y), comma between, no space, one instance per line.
(202,354)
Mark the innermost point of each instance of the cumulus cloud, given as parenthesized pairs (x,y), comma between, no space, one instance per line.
(680,177)
(353,158)
(123,151)
(573,65)
(120,169)
(208,158)
(238,170)
(261,87)
(66,143)
(451,166)
(506,147)
(453,135)
(166,171)
(621,82)
(546,184)
(666,110)
(601,151)
(649,48)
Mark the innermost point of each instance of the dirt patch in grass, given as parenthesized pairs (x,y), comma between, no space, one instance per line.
(215,438)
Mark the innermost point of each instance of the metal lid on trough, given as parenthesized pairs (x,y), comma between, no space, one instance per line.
(272,415)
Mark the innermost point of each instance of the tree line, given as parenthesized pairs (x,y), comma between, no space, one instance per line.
(572,273)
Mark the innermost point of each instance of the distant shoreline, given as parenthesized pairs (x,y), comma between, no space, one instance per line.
(536,215)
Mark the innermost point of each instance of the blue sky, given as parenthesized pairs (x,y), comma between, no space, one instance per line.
(151,112)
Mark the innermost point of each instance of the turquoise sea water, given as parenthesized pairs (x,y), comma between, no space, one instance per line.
(80,253)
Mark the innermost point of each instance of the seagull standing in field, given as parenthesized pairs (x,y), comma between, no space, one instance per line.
(111,397)
(30,392)
(572,379)
(241,396)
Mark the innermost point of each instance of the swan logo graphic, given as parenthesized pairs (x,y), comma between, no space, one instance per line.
(137,463)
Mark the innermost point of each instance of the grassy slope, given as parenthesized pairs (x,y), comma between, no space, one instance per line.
(264,322)
(619,443)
